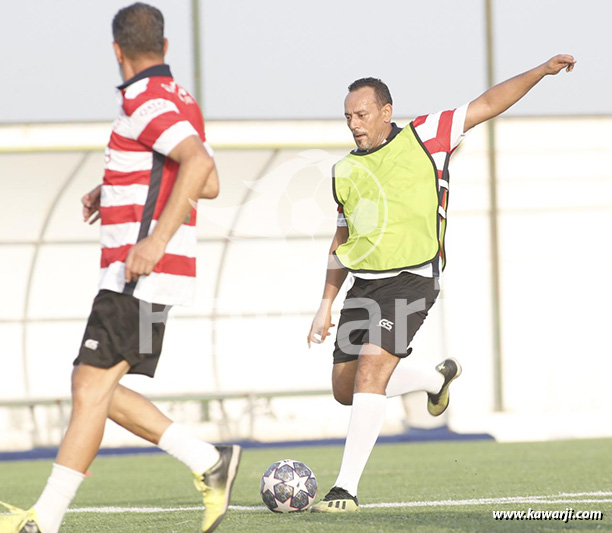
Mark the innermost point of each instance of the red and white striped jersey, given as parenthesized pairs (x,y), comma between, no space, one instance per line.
(155,115)
(441,133)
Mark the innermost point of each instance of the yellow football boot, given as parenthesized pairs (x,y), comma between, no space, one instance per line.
(338,500)
(437,403)
(19,520)
(216,486)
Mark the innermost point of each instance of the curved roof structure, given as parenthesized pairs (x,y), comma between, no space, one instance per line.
(262,253)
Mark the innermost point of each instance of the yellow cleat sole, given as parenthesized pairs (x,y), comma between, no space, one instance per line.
(335,506)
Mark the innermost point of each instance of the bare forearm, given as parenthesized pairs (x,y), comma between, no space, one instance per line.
(195,165)
(335,274)
(504,95)
(334,279)
(190,181)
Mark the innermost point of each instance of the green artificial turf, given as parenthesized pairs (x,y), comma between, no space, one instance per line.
(442,487)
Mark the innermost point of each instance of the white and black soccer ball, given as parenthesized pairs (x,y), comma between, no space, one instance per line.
(288,486)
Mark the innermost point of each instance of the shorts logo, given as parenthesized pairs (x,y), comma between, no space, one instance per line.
(387,324)
(91,344)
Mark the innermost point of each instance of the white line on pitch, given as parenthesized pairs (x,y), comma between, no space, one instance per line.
(484,501)
(548,498)
(564,498)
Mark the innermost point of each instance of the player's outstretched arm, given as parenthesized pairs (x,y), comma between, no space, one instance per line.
(504,95)
(334,278)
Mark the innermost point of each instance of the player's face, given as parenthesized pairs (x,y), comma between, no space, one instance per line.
(368,123)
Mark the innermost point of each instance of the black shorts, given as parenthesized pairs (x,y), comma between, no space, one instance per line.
(120,328)
(385,312)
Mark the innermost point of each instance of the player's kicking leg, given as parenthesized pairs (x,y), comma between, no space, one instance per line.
(413,376)
(214,467)
(216,485)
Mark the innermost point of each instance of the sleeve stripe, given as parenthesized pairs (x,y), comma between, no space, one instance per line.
(441,132)
(444,130)
(419,120)
(428,127)
(157,127)
(209,149)
(173,136)
(457,133)
(433,146)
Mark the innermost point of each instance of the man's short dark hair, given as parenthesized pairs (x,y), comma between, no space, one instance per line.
(139,30)
(383,96)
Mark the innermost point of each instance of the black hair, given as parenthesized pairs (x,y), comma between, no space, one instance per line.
(139,30)
(383,96)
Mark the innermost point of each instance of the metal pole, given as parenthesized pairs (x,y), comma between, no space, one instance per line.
(197,52)
(498,391)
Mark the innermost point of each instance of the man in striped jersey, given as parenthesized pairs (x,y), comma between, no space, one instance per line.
(157,166)
(392,194)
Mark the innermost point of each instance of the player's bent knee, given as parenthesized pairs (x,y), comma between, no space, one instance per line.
(343,382)
(84,395)
(92,386)
(343,397)
(343,391)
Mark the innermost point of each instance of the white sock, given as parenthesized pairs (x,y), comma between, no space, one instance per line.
(367,417)
(410,377)
(198,455)
(57,495)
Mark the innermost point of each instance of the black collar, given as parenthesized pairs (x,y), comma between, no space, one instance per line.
(156,70)
(395,129)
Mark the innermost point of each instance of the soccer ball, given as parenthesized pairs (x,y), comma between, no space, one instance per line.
(288,486)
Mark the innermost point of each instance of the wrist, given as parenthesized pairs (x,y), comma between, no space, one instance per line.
(160,238)
(542,70)
(326,304)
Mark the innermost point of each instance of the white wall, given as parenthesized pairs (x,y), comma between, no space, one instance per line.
(262,254)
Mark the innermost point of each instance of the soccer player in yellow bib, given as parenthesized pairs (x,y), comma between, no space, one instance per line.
(392,193)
